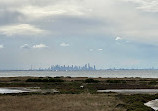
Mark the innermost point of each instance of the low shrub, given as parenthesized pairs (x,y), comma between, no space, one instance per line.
(45,80)
(15,80)
(57,77)
(153,82)
(91,81)
(116,81)
(40,77)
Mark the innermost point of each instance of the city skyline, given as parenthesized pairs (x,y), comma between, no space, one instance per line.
(86,67)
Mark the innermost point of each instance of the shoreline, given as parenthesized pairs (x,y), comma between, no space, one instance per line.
(143,73)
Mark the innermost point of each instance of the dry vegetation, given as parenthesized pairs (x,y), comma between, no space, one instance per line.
(62,102)
(74,98)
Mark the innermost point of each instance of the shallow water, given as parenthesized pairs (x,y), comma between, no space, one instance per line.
(133,91)
(7,90)
(105,73)
(153,104)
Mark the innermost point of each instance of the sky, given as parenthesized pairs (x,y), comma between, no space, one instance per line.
(107,33)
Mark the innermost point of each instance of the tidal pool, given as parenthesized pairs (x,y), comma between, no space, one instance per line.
(9,90)
(153,104)
(133,91)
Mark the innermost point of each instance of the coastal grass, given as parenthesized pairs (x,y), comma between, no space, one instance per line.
(72,97)
(71,85)
(136,102)
(61,102)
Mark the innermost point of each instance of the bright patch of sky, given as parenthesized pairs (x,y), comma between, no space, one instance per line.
(64,44)
(38,46)
(107,33)
(1,46)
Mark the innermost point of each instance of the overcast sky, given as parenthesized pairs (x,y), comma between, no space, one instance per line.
(107,33)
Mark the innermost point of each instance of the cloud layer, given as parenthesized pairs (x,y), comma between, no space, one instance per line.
(92,31)
(79,15)
(20,29)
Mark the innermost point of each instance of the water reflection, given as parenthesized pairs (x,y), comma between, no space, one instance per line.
(7,90)
(133,91)
(153,104)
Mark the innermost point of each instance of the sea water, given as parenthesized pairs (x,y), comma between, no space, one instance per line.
(100,73)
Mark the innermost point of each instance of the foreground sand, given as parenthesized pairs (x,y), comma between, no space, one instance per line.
(62,102)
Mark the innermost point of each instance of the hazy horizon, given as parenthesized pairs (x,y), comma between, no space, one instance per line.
(105,33)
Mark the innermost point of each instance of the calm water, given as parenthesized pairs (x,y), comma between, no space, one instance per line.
(131,91)
(106,74)
(7,90)
(153,104)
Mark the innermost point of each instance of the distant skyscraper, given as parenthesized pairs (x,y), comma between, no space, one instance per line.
(94,67)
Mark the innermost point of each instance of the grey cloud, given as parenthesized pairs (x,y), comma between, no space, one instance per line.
(146,5)
(72,25)
(85,16)
(20,29)
(9,17)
